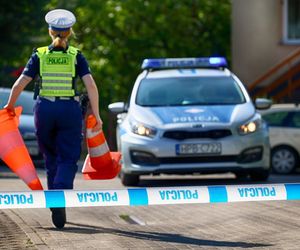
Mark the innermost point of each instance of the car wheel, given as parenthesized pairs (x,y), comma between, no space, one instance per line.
(284,160)
(129,179)
(260,175)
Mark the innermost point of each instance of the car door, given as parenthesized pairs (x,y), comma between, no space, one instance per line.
(293,130)
(284,128)
(278,129)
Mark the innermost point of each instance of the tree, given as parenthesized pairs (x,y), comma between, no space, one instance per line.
(20,25)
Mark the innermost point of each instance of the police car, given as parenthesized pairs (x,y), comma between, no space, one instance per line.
(191,115)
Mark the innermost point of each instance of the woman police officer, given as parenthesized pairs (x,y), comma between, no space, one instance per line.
(58,117)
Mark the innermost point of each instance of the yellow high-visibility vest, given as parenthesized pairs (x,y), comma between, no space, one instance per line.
(57,71)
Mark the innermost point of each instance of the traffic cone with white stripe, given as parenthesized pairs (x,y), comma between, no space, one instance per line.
(13,150)
(100,163)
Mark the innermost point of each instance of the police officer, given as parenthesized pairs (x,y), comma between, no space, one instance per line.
(58,117)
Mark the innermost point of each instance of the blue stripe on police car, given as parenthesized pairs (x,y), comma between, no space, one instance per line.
(214,114)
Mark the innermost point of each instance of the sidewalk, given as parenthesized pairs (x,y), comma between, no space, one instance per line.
(12,237)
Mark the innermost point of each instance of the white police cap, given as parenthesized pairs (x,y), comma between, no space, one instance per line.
(60,19)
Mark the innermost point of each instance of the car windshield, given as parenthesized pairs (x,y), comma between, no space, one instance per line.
(189,91)
(25,100)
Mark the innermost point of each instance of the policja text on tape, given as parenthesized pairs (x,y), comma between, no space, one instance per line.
(149,196)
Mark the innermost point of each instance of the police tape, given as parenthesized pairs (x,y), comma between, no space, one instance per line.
(149,196)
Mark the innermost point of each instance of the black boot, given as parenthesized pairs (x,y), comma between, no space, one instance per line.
(58,217)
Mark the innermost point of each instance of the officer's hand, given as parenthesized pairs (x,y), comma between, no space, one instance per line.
(98,126)
(10,109)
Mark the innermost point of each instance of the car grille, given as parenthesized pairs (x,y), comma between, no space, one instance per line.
(181,135)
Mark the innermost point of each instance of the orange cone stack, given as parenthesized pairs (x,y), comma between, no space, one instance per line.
(13,150)
(100,163)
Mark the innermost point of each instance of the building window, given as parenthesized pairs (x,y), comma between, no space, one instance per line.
(291,20)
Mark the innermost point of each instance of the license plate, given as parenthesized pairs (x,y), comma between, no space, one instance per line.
(198,148)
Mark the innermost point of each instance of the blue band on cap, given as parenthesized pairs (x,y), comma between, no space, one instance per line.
(58,29)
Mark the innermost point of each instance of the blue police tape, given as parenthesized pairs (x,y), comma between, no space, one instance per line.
(149,196)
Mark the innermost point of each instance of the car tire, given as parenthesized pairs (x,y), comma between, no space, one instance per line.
(260,175)
(129,179)
(284,160)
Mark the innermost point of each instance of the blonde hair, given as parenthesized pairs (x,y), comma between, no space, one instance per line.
(60,38)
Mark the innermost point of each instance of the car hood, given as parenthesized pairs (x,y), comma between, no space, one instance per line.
(213,114)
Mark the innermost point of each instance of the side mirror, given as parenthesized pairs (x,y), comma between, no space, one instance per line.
(263,103)
(117,107)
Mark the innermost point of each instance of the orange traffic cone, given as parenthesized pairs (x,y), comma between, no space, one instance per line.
(100,163)
(13,150)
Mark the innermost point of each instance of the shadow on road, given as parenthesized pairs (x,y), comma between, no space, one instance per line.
(157,236)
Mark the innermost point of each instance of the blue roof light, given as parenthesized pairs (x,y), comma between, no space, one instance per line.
(204,62)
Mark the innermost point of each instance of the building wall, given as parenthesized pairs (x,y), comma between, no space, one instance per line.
(256,37)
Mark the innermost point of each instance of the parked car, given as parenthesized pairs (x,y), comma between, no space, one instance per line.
(26,125)
(190,115)
(284,127)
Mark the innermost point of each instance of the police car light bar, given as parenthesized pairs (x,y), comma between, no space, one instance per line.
(174,63)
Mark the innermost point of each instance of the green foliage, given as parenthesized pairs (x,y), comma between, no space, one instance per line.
(20,25)
(116,35)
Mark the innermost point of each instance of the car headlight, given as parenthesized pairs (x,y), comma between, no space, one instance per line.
(143,130)
(250,127)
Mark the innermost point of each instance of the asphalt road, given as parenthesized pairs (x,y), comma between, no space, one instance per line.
(257,225)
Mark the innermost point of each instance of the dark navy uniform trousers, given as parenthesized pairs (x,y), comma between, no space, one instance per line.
(59,133)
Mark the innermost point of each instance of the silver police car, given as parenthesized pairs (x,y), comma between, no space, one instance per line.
(191,115)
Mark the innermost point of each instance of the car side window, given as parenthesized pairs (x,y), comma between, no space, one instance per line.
(277,119)
(3,99)
(295,120)
(25,100)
